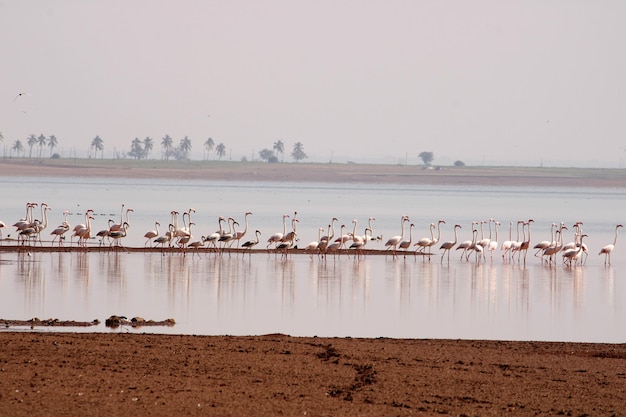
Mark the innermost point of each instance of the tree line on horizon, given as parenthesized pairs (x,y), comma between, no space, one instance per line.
(141,149)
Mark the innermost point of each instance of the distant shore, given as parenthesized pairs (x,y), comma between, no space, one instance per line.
(309,172)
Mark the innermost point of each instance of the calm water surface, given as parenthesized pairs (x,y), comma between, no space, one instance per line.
(372,297)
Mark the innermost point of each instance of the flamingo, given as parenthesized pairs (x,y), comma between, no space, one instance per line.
(493,244)
(117,235)
(119,226)
(474,246)
(151,234)
(314,245)
(393,242)
(467,244)
(435,240)
(606,250)
(42,226)
(484,242)
(60,231)
(288,240)
(324,240)
(183,241)
(290,237)
(506,245)
(84,233)
(406,244)
(369,227)
(276,237)
(331,234)
(358,242)
(228,237)
(252,243)
(526,242)
(446,246)
(574,245)
(195,245)
(81,226)
(573,254)
(240,234)
(424,242)
(551,250)
(213,237)
(545,243)
(517,244)
(27,221)
(346,237)
(336,245)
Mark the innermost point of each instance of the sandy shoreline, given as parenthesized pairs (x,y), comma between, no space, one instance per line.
(142,374)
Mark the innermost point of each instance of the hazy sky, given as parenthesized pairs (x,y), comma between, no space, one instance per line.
(493,82)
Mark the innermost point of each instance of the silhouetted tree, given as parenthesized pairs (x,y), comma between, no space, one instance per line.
(459,163)
(148,144)
(427,157)
(18,147)
(97,144)
(208,147)
(279,148)
(268,155)
(41,141)
(298,152)
(221,150)
(52,143)
(167,143)
(136,149)
(30,141)
(185,147)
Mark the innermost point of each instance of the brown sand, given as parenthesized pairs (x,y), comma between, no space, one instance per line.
(121,374)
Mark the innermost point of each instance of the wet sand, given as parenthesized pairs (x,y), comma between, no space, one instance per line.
(125,373)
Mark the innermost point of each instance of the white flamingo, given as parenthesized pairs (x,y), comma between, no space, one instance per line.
(276,237)
(446,246)
(393,242)
(151,234)
(608,248)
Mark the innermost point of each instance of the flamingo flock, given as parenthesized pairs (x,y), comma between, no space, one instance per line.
(480,248)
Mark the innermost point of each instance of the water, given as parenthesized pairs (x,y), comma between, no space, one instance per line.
(372,297)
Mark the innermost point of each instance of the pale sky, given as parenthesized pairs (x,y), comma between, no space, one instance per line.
(486,82)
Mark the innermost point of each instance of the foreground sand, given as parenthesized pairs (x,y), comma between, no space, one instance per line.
(123,374)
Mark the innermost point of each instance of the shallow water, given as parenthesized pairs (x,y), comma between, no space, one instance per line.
(372,297)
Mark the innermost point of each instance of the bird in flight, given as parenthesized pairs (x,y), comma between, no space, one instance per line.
(20,95)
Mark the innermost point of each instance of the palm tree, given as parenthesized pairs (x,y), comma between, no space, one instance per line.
(279,148)
(98,145)
(18,147)
(52,143)
(167,143)
(208,146)
(41,141)
(148,144)
(185,146)
(298,152)
(220,150)
(136,149)
(31,141)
